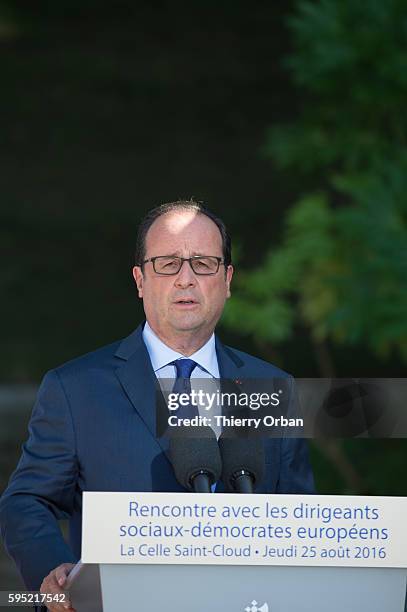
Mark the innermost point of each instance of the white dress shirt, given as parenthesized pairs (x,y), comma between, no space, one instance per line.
(162,356)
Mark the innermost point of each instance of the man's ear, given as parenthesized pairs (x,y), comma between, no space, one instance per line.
(138,277)
(229,274)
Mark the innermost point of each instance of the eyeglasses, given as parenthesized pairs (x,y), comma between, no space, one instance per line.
(202,265)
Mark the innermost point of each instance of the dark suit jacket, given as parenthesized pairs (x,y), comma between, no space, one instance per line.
(93,429)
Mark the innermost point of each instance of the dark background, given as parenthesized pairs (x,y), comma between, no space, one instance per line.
(110,108)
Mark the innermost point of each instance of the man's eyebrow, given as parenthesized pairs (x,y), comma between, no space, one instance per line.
(203,254)
(175,254)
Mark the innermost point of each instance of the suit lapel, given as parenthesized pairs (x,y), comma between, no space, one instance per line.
(230,365)
(228,362)
(139,382)
(138,379)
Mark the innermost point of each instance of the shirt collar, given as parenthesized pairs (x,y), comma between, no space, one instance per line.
(161,354)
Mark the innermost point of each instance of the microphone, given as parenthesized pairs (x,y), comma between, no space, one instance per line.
(195,457)
(243,463)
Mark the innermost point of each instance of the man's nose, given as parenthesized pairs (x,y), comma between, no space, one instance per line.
(186,276)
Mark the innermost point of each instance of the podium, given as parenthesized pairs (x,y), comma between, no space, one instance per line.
(240,553)
(226,588)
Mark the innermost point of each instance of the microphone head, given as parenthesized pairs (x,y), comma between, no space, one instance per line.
(241,454)
(194,450)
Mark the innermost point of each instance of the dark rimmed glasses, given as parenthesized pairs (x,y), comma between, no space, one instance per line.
(202,265)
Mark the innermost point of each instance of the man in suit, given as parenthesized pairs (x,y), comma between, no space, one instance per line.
(93,426)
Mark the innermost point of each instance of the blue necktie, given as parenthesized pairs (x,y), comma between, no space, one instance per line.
(185,367)
(182,384)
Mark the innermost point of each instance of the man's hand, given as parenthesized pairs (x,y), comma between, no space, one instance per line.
(54,584)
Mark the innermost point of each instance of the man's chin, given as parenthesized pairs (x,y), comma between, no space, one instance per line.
(187,323)
(190,327)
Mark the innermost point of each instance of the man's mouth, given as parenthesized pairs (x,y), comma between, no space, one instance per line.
(186,302)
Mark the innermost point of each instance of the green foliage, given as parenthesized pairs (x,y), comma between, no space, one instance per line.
(262,304)
(350,64)
(374,291)
(341,268)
